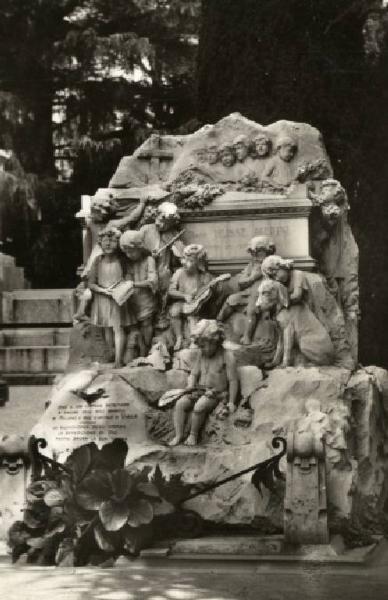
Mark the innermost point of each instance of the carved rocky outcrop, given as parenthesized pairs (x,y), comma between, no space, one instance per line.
(233,151)
(347,411)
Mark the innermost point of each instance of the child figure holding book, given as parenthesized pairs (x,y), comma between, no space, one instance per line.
(213,380)
(105,273)
(141,270)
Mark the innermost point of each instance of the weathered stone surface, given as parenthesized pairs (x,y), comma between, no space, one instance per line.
(369,434)
(345,410)
(38,306)
(164,158)
(36,359)
(11,276)
(151,383)
(238,545)
(92,407)
(305,504)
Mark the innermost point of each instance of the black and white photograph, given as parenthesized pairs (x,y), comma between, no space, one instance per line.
(194,299)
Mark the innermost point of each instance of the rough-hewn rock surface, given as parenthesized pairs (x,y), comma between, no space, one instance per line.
(349,411)
(177,154)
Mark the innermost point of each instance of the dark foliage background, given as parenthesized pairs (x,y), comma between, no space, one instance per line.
(323,62)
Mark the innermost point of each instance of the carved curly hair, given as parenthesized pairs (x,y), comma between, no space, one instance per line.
(208,329)
(198,252)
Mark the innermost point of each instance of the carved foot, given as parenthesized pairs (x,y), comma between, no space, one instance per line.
(191,440)
(176,441)
(178,344)
(246,341)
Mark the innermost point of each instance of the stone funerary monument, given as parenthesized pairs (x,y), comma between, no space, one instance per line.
(218,308)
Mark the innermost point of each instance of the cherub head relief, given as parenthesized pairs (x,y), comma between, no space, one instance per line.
(212,154)
(261,145)
(167,216)
(227,155)
(241,147)
(286,147)
(201,155)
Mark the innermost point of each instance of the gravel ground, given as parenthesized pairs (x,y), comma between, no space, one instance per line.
(257,583)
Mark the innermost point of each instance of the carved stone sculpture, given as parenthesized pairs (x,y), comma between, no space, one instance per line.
(213,380)
(140,269)
(163,240)
(185,284)
(305,505)
(280,168)
(106,272)
(337,252)
(302,338)
(259,247)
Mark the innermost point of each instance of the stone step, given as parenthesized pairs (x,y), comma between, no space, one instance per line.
(35,336)
(11,276)
(38,306)
(33,359)
(34,379)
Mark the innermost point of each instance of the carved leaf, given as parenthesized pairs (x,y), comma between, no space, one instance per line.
(122,484)
(112,456)
(113,515)
(64,556)
(137,538)
(102,539)
(148,489)
(95,489)
(140,513)
(79,462)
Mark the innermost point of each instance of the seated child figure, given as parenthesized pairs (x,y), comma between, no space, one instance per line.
(259,247)
(184,285)
(106,271)
(215,375)
(141,269)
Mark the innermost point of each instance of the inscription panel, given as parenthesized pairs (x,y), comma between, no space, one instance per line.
(70,421)
(228,239)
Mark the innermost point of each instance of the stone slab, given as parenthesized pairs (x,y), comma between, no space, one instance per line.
(226,239)
(117,411)
(38,306)
(33,359)
(246,545)
(34,336)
